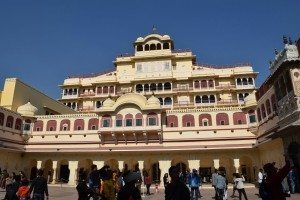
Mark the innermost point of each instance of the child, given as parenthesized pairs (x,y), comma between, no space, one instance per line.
(23,191)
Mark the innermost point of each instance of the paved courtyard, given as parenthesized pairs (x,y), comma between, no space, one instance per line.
(69,193)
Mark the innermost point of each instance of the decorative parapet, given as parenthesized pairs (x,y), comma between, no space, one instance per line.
(66,116)
(289,53)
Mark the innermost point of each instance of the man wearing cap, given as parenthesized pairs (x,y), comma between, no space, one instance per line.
(176,190)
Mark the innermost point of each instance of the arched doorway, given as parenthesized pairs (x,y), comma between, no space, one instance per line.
(246,168)
(206,169)
(228,164)
(48,170)
(156,172)
(64,171)
(33,169)
(84,168)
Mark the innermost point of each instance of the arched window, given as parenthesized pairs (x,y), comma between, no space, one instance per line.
(167,86)
(161,101)
(18,124)
(70,92)
(51,125)
(172,121)
(99,90)
(274,104)
(78,124)
(203,84)
(98,104)
(222,119)
(111,89)
(205,118)
(1,119)
(152,119)
(152,47)
(166,45)
(258,114)
(168,101)
(138,119)
(75,91)
(73,105)
(147,47)
(152,87)
(263,111)
(238,81)
(105,90)
(205,99)
(9,121)
(159,86)
(245,81)
(65,125)
(268,105)
(239,118)
(128,120)
(38,125)
(69,104)
(188,120)
(250,81)
(212,99)
(139,47)
(146,87)
(119,120)
(158,46)
(106,121)
(252,117)
(139,88)
(93,124)
(211,84)
(246,94)
(196,84)
(198,99)
(241,97)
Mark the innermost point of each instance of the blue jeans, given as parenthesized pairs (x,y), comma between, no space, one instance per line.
(195,193)
(38,196)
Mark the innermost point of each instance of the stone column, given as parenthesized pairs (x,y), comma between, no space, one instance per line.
(216,163)
(236,163)
(39,164)
(73,165)
(121,165)
(54,177)
(164,166)
(141,165)
(194,164)
(99,164)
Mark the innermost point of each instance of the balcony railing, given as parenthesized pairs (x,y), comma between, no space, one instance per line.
(86,108)
(181,104)
(182,89)
(87,94)
(225,86)
(227,102)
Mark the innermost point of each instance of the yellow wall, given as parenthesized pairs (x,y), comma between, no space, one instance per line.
(272,152)
(17,93)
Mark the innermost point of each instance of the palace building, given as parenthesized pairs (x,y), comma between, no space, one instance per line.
(156,108)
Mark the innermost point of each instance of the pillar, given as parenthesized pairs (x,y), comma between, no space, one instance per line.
(54,172)
(73,165)
(141,165)
(216,163)
(164,166)
(121,165)
(236,163)
(99,164)
(194,164)
(39,164)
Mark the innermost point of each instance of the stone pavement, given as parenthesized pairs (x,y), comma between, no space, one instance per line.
(69,193)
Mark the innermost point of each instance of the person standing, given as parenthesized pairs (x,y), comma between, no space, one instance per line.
(292,180)
(274,179)
(240,185)
(39,187)
(166,179)
(129,190)
(176,190)
(194,183)
(12,187)
(147,181)
(214,181)
(221,184)
(234,186)
(260,178)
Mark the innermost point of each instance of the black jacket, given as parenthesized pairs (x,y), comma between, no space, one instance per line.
(39,186)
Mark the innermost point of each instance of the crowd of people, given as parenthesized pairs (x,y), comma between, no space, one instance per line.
(18,187)
(106,184)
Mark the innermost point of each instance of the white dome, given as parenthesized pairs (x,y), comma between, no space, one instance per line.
(27,110)
(166,37)
(139,39)
(153,101)
(108,102)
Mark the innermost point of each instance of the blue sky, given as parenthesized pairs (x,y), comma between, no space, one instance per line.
(43,42)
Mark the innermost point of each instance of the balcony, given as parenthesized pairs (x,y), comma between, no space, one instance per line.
(227,102)
(86,108)
(245,87)
(225,87)
(183,104)
(90,94)
(183,89)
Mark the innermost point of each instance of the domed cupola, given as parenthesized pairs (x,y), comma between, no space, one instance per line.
(153,101)
(108,102)
(27,110)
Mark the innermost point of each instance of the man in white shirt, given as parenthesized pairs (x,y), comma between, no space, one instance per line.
(260,179)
